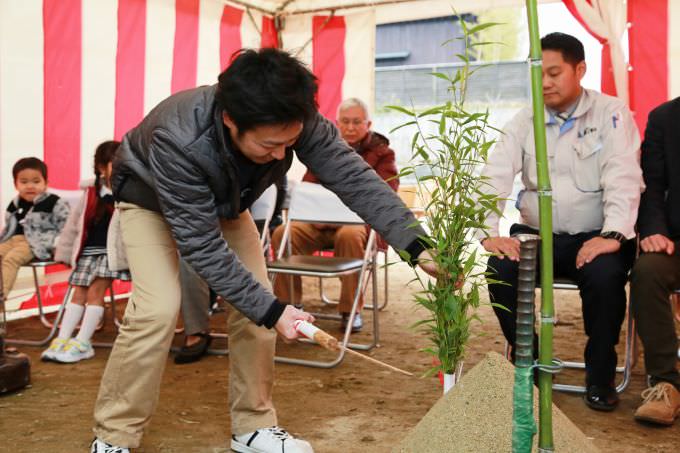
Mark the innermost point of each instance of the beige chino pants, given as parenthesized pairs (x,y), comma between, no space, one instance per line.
(15,252)
(130,385)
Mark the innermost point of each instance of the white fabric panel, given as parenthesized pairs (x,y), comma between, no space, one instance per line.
(21,88)
(313,203)
(296,38)
(251,30)
(608,19)
(160,40)
(359,81)
(100,41)
(210,15)
(673,48)
(297,35)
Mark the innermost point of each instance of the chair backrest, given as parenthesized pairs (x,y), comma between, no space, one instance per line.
(263,208)
(72,197)
(312,202)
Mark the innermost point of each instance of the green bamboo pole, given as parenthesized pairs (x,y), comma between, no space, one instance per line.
(545,437)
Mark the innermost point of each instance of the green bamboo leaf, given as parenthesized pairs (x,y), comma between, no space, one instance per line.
(400,109)
(484,26)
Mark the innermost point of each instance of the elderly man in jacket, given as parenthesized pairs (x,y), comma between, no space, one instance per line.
(656,273)
(184,179)
(348,241)
(592,146)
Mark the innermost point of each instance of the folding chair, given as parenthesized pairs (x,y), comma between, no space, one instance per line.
(54,325)
(384,252)
(262,211)
(570,285)
(311,203)
(566,284)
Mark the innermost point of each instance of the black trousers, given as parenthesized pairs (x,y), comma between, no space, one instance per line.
(601,284)
(654,277)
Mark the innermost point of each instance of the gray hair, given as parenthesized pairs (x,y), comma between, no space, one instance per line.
(353,102)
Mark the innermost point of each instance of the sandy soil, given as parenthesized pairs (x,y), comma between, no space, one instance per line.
(354,407)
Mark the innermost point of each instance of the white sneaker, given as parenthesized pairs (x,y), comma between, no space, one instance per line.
(56,347)
(269,440)
(99,446)
(75,351)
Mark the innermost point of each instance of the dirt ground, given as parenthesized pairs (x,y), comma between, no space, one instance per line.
(354,407)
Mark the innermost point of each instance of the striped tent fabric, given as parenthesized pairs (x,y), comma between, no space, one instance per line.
(74,73)
(654,51)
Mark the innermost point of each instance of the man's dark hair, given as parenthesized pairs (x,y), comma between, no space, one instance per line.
(266,86)
(32,163)
(570,47)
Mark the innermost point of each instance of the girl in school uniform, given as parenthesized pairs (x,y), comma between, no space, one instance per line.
(82,244)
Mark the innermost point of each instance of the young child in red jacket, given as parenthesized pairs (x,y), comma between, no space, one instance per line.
(82,244)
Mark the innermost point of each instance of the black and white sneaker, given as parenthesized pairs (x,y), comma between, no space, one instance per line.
(269,440)
(99,446)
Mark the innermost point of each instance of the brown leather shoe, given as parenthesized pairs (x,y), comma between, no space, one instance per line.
(661,404)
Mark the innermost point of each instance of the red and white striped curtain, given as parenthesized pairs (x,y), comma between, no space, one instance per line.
(76,72)
(654,49)
(606,21)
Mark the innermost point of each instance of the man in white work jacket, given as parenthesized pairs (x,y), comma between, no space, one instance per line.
(596,180)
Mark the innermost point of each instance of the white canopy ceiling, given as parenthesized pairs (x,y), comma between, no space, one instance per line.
(396,10)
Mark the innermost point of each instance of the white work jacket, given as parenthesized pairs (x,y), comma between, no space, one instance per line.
(594,166)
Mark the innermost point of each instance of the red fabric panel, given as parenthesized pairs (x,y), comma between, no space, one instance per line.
(648,41)
(230,34)
(130,56)
(62,24)
(328,56)
(185,57)
(607,84)
(269,36)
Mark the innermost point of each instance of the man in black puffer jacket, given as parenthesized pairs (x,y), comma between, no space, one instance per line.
(184,179)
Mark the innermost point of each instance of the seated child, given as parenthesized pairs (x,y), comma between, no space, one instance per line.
(83,246)
(33,220)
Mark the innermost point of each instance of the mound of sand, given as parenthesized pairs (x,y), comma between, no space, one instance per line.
(476,416)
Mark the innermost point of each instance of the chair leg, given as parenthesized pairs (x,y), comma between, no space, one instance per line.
(348,331)
(625,369)
(36,281)
(53,326)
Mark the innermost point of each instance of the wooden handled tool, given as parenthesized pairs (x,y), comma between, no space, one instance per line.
(331,343)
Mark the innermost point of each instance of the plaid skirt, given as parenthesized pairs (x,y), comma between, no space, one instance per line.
(90,267)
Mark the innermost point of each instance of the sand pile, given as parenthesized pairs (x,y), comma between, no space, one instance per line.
(476,416)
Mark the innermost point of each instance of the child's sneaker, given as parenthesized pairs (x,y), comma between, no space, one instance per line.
(75,351)
(99,446)
(56,347)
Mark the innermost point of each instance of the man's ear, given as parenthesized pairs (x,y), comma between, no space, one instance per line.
(369,123)
(581,69)
(226,119)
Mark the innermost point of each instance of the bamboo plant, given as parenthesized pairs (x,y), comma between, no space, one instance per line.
(545,435)
(448,163)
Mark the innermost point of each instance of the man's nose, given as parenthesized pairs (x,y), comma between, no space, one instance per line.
(279,153)
(547,81)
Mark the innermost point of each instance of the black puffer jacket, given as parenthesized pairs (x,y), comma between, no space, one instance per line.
(177,162)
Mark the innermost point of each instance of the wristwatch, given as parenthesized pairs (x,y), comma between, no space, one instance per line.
(613,235)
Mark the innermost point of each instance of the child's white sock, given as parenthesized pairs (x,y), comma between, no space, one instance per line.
(72,315)
(93,315)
